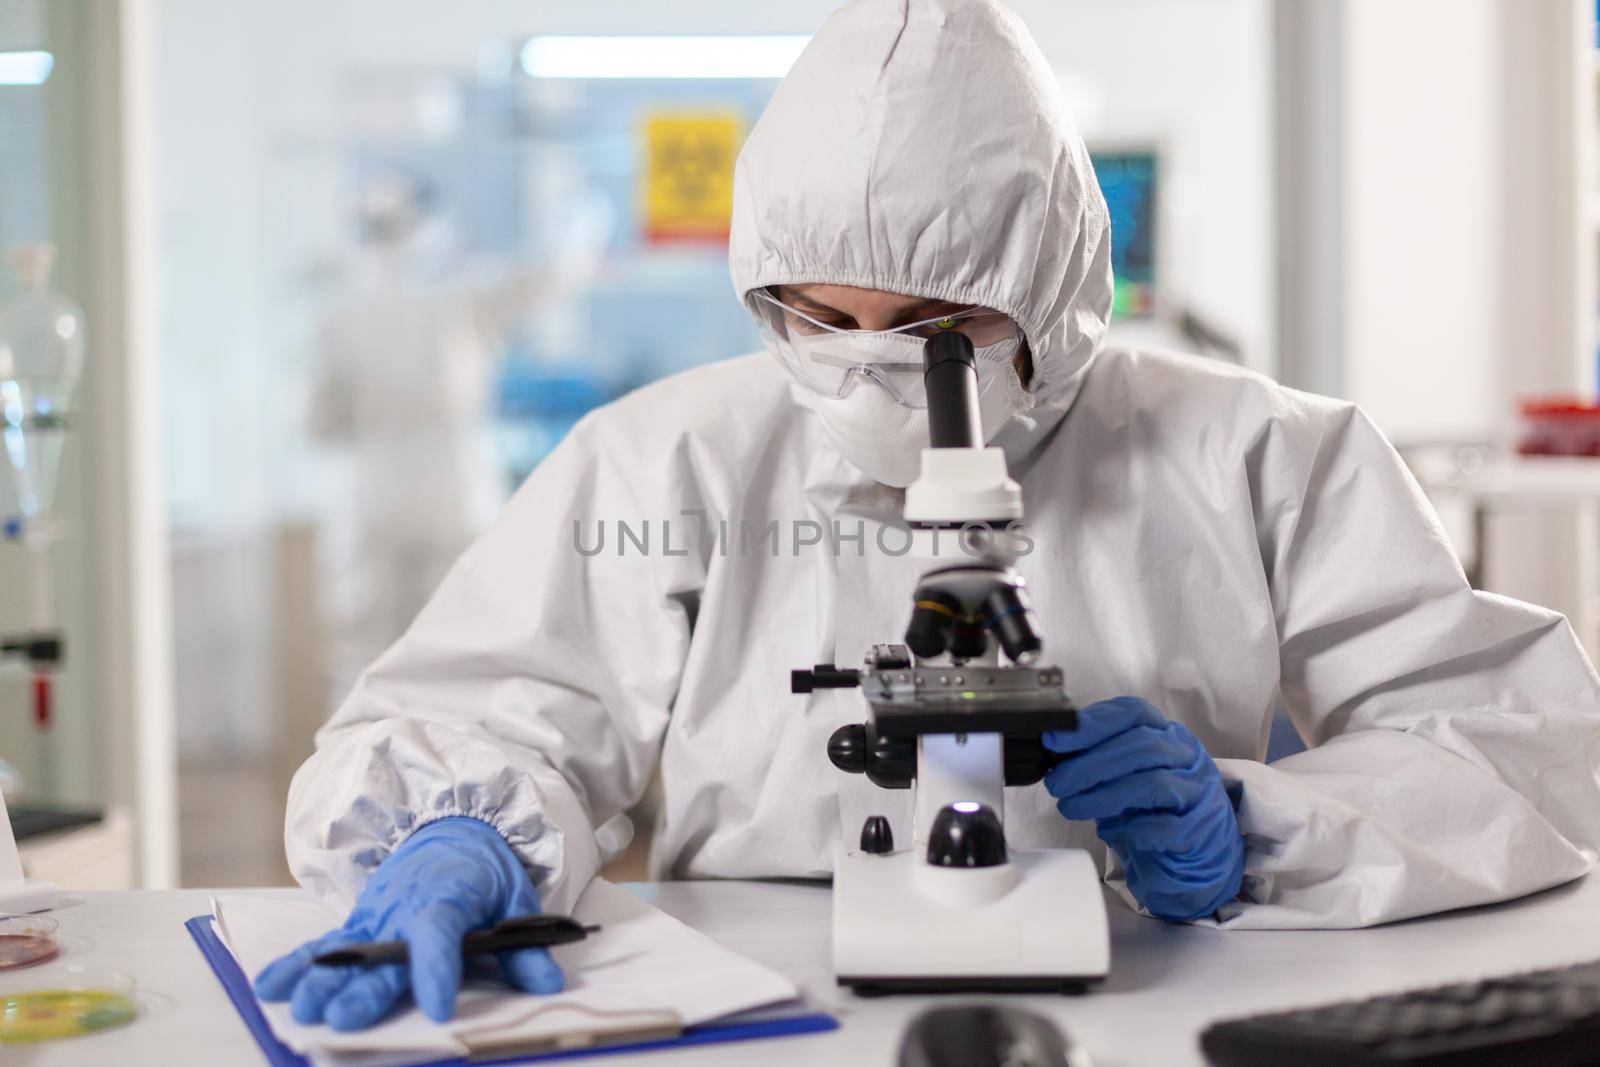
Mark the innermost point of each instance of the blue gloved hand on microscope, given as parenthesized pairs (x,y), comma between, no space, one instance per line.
(448,878)
(1157,801)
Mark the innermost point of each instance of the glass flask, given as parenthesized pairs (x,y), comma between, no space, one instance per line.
(41,360)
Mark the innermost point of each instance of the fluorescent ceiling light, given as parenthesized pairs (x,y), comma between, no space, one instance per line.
(25,68)
(662,57)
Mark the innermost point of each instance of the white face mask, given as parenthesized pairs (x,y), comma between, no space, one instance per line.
(884,439)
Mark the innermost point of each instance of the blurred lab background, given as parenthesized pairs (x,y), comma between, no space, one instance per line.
(299,291)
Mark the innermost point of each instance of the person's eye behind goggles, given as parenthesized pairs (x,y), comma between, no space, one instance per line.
(834,362)
(984,325)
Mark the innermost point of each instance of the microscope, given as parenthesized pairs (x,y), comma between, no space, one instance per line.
(951,719)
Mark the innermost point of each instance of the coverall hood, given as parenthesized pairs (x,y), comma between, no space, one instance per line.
(923,147)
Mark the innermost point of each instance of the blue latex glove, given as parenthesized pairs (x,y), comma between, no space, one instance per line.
(450,877)
(1157,801)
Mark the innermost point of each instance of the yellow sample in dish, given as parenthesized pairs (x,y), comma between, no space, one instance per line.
(49,1015)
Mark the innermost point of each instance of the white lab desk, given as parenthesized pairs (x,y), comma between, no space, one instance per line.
(1167,981)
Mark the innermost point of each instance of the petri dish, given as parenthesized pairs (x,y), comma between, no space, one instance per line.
(26,940)
(69,1002)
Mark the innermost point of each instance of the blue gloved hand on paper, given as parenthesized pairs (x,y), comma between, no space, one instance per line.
(1157,801)
(450,877)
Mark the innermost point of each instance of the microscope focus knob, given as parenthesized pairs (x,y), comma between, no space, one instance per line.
(847,748)
(966,834)
(888,762)
(877,837)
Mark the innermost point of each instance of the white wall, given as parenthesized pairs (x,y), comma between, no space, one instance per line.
(1423,215)
(21,26)
(1457,291)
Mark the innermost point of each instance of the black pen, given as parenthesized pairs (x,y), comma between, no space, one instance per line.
(531,931)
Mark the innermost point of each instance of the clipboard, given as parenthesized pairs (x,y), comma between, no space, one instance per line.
(745,1027)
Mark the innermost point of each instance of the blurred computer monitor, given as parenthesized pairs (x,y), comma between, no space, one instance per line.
(1128,179)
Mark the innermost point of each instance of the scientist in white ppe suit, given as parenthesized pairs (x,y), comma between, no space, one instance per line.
(1209,547)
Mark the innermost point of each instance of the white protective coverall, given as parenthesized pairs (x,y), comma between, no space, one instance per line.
(1204,538)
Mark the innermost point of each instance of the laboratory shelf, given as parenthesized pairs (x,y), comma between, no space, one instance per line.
(1532,479)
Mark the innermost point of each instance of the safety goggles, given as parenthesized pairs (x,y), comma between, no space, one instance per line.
(832,361)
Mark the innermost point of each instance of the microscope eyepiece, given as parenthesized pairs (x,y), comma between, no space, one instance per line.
(950,378)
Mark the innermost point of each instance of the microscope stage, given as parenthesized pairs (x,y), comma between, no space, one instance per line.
(972,699)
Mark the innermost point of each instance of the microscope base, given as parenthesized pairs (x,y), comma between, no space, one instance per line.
(881,986)
(1036,925)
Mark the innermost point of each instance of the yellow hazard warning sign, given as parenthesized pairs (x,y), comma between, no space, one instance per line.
(687,179)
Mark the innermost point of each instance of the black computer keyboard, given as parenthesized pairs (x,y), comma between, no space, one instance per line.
(1545,1018)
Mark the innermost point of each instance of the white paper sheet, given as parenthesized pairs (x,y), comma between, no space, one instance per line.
(642,965)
